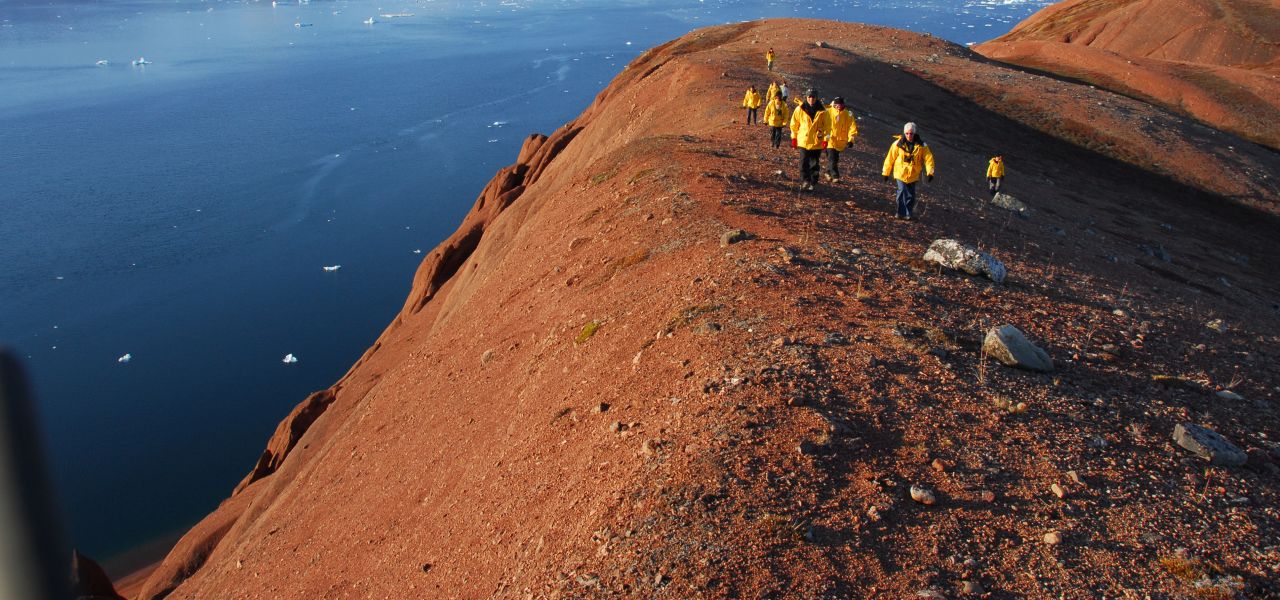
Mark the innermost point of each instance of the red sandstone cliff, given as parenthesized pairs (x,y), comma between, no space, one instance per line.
(588,394)
(1216,60)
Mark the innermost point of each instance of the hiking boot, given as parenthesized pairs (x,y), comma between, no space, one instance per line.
(835,180)
(826,176)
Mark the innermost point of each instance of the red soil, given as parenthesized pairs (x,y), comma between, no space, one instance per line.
(587,395)
(1216,60)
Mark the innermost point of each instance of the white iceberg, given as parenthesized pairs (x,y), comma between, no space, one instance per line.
(124,359)
(289,359)
(333,268)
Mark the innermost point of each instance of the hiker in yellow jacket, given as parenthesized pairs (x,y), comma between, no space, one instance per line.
(768,58)
(908,158)
(775,116)
(772,92)
(995,174)
(751,102)
(844,130)
(810,126)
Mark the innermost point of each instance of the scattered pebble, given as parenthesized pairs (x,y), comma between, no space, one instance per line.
(732,236)
(923,496)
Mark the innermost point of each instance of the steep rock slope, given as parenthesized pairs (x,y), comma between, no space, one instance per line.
(588,393)
(1216,60)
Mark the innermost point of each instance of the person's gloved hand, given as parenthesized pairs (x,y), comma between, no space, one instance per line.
(930,178)
(886,179)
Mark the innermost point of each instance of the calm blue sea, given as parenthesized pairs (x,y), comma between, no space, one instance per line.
(181,212)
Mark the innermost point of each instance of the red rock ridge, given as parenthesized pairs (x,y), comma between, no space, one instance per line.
(1216,60)
(586,395)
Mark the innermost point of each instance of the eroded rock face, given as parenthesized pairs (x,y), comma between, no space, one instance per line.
(1208,444)
(955,255)
(89,581)
(287,434)
(1008,345)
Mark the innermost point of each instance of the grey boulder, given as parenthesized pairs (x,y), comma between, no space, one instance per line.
(1208,444)
(1009,346)
(1011,204)
(954,255)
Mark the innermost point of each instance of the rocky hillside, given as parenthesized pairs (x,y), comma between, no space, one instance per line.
(647,365)
(1215,60)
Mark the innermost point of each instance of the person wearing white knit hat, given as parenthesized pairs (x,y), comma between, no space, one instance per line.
(909,158)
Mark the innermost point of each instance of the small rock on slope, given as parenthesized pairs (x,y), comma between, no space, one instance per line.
(1009,346)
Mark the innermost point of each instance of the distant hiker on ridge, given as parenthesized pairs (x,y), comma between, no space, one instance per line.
(810,126)
(844,130)
(751,102)
(768,57)
(775,116)
(995,174)
(908,157)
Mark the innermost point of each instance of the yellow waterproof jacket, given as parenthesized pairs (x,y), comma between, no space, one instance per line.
(907,166)
(769,56)
(844,128)
(751,100)
(775,113)
(995,169)
(772,93)
(808,132)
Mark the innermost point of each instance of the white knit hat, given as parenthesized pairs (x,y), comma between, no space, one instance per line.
(909,128)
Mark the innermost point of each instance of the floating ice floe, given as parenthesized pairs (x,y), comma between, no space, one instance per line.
(418,251)
(301,24)
(289,359)
(102,63)
(332,268)
(141,62)
(124,359)
(368,21)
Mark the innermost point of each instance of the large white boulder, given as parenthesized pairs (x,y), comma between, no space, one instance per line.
(954,255)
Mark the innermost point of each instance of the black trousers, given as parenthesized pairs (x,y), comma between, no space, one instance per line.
(809,165)
(775,136)
(753,116)
(993,184)
(833,162)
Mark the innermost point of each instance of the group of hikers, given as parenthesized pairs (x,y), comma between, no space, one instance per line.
(817,129)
